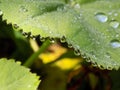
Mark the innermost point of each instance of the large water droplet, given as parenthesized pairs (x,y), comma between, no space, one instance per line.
(114,24)
(1,13)
(101,17)
(115,44)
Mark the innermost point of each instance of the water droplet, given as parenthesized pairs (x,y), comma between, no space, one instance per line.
(42,39)
(1,13)
(93,54)
(115,44)
(15,26)
(114,24)
(70,45)
(77,52)
(109,68)
(94,64)
(63,39)
(88,60)
(101,67)
(23,9)
(83,55)
(107,55)
(24,33)
(52,40)
(29,35)
(101,17)
(21,31)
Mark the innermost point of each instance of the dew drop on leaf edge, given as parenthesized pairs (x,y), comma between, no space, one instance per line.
(52,40)
(63,39)
(76,52)
(70,46)
(101,17)
(42,39)
(15,26)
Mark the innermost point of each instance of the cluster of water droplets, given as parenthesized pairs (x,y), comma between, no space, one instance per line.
(103,18)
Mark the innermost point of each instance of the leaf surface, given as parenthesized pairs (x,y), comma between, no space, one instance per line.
(92,28)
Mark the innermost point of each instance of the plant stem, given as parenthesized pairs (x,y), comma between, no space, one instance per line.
(35,55)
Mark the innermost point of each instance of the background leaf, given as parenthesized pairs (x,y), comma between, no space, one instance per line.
(16,77)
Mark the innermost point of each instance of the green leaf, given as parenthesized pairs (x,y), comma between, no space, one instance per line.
(13,76)
(92,28)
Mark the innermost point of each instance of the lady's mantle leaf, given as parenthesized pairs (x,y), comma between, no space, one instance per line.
(16,77)
(92,28)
